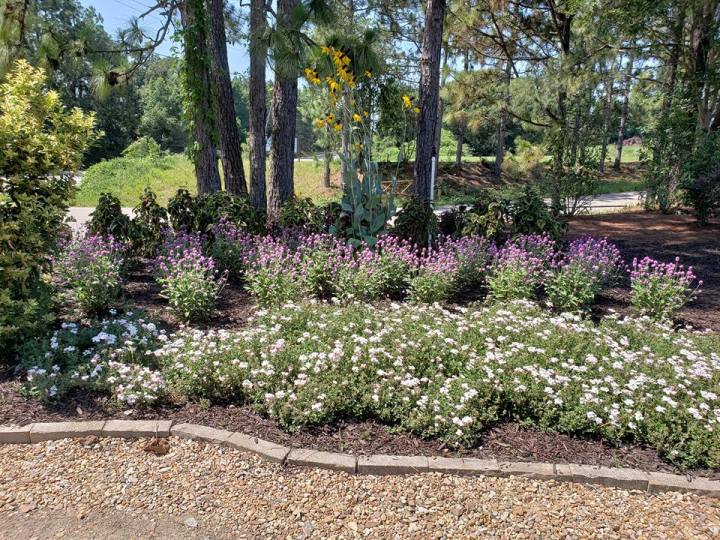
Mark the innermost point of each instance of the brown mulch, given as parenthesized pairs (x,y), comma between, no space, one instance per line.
(142,291)
(507,441)
(662,237)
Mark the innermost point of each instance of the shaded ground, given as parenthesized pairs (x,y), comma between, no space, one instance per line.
(76,525)
(662,237)
(142,291)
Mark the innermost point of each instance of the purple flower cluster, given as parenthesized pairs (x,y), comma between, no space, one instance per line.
(661,289)
(512,256)
(79,252)
(648,270)
(90,269)
(190,259)
(599,258)
(540,246)
(177,243)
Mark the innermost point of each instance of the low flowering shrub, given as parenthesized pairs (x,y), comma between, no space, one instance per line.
(359,276)
(273,272)
(89,269)
(108,357)
(514,273)
(190,282)
(436,278)
(542,246)
(450,375)
(455,265)
(397,264)
(659,289)
(588,266)
(230,248)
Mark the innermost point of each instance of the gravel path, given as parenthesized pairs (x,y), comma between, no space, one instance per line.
(84,489)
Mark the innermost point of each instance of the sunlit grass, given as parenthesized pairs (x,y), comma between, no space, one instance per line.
(126,178)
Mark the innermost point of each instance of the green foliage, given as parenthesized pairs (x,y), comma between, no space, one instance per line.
(148,225)
(417,223)
(143,147)
(161,97)
(530,215)
(126,178)
(40,141)
(90,271)
(704,195)
(366,209)
(570,289)
(200,214)
(569,188)
(526,162)
(431,287)
(182,208)
(108,219)
(301,214)
(511,212)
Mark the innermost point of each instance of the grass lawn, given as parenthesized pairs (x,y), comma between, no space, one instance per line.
(127,177)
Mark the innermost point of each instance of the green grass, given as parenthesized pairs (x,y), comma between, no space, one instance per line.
(127,177)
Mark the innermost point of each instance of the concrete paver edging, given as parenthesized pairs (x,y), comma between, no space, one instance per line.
(623,478)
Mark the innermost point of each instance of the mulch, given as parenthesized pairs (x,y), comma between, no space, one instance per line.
(509,441)
(637,235)
(662,237)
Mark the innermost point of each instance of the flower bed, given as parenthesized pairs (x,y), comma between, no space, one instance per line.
(442,374)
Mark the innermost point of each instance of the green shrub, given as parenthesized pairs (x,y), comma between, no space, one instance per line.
(108,219)
(201,214)
(502,214)
(148,225)
(417,223)
(143,147)
(90,270)
(301,214)
(41,141)
(703,194)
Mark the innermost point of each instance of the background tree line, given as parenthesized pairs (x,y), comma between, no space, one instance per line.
(572,79)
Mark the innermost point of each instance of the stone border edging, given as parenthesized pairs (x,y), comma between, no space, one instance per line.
(377,464)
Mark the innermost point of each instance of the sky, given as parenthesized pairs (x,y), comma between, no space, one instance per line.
(117,14)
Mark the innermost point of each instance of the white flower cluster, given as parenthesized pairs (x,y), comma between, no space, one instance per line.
(450,374)
(108,357)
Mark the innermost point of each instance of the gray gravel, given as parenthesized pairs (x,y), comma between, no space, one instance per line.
(79,488)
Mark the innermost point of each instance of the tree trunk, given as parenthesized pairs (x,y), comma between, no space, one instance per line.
(702,36)
(502,120)
(258,105)
(670,85)
(228,134)
(429,94)
(284,113)
(326,168)
(606,119)
(461,135)
(623,112)
(564,29)
(197,82)
(441,109)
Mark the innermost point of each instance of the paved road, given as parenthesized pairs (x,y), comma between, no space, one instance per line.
(610,202)
(600,204)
